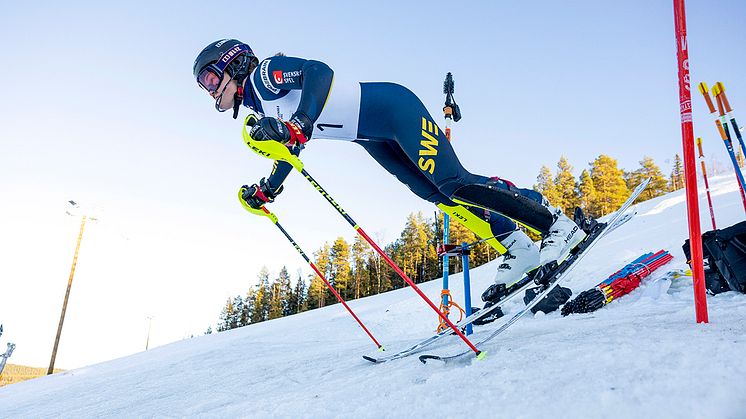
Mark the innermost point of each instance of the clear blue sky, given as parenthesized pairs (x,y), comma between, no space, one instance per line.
(99,104)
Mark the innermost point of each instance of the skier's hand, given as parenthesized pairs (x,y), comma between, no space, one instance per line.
(257,195)
(269,128)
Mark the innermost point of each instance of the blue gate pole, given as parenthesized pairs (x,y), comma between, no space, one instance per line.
(445,257)
(467,284)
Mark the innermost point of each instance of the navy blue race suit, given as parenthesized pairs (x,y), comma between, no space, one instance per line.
(386,119)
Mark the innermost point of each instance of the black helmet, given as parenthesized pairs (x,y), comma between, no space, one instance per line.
(224,56)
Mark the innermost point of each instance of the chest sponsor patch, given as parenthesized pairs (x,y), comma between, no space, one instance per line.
(277,75)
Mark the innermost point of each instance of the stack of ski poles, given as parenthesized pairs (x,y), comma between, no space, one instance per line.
(617,284)
(721,115)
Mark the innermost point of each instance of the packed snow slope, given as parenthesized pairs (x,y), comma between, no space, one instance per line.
(641,356)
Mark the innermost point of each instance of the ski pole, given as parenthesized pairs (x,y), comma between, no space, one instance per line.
(726,140)
(721,94)
(707,185)
(264,212)
(448,113)
(278,151)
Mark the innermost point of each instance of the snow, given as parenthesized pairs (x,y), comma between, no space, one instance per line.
(641,356)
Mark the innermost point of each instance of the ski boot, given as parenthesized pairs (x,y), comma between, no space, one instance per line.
(562,237)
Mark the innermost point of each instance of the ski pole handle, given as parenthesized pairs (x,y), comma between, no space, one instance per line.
(718,99)
(699,147)
(721,89)
(706,93)
(270,149)
(261,211)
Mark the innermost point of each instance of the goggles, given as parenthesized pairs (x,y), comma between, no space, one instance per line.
(211,76)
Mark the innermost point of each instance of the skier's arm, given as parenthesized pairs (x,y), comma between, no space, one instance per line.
(313,78)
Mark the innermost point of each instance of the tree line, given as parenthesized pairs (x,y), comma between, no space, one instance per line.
(356,270)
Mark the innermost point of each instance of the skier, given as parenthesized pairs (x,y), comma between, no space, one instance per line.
(297,99)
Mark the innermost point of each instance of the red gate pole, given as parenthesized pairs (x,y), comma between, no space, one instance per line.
(690,171)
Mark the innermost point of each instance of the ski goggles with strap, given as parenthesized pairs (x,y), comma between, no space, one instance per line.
(212,75)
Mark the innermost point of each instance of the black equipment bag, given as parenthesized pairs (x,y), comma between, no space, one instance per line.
(724,252)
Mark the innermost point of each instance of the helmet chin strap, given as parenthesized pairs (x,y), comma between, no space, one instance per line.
(237,98)
(237,101)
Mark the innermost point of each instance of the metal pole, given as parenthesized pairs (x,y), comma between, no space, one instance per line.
(67,296)
(467,283)
(147,340)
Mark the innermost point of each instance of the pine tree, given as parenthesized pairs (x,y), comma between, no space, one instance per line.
(226,316)
(587,194)
(262,299)
(339,273)
(209,330)
(249,305)
(648,169)
(286,292)
(416,252)
(238,319)
(608,180)
(297,301)
(565,187)
(545,185)
(317,289)
(360,272)
(677,174)
(279,290)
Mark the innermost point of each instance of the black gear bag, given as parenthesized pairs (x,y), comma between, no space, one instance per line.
(724,253)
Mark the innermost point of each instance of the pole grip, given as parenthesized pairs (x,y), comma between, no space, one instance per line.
(706,93)
(718,99)
(699,147)
(721,89)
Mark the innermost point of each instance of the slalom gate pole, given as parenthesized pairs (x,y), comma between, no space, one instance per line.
(707,185)
(278,151)
(722,97)
(726,141)
(272,217)
(467,284)
(690,171)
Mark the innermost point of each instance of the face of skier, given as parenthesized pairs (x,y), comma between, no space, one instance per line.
(225,93)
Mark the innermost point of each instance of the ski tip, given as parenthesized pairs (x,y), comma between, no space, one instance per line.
(481,355)
(371,359)
(425,358)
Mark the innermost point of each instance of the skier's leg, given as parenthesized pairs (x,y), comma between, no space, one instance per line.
(520,255)
(391,112)
(485,224)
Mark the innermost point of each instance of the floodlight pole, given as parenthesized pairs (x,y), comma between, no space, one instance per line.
(147,340)
(67,296)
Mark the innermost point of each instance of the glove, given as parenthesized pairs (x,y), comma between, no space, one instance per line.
(269,128)
(257,195)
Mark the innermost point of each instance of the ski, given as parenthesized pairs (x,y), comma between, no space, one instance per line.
(556,276)
(514,290)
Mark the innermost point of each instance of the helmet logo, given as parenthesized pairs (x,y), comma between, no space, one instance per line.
(230,54)
(219,44)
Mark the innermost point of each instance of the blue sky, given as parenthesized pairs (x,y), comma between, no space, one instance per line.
(99,105)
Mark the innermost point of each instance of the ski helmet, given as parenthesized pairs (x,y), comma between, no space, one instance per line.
(224,56)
